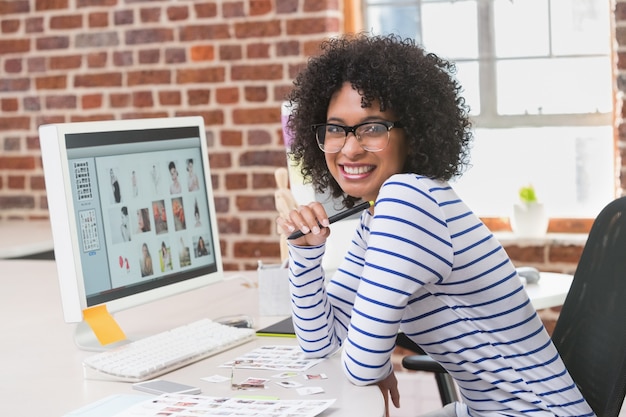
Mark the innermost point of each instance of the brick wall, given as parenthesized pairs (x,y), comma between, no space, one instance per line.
(230,61)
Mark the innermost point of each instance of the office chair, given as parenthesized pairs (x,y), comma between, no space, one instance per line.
(590,333)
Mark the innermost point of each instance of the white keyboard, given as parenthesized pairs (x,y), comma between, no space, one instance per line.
(164,352)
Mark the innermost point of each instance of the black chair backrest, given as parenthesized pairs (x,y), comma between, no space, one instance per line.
(590,332)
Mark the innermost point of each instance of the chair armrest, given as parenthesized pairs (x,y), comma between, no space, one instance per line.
(422,363)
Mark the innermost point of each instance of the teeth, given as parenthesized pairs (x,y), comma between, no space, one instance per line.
(357,170)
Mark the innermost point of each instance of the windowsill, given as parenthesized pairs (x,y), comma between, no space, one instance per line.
(509,238)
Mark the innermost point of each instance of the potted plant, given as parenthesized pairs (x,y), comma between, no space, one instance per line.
(529,217)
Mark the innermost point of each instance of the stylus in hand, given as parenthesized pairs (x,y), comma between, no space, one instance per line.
(338,216)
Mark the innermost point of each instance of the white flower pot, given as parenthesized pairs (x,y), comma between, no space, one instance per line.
(529,220)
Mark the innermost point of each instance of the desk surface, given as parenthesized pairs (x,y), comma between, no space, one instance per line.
(42,368)
(20,238)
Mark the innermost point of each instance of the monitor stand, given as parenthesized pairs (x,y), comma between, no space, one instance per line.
(86,339)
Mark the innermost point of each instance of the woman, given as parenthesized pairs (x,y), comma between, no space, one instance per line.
(380,119)
(146,261)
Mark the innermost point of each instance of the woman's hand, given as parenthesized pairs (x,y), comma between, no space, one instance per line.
(311,220)
(389,388)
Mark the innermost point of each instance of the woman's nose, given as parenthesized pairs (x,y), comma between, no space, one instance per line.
(351,145)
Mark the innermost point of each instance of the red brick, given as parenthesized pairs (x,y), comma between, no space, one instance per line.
(61,102)
(261,181)
(257,72)
(143,99)
(227,95)
(211,117)
(255,94)
(230,52)
(144,36)
(260,7)
(262,158)
(151,14)
(201,75)
(14,46)
(263,227)
(205,9)
(105,79)
(66,22)
(198,97)
(65,62)
(15,6)
(169,98)
(202,53)
(12,144)
(53,82)
(220,160)
(237,181)
(17,201)
(14,84)
(14,123)
(257,137)
(10,25)
(51,4)
(9,104)
(91,101)
(256,250)
(149,77)
(204,32)
(313,25)
(98,19)
(120,100)
(257,29)
(16,182)
(37,182)
(175,13)
(229,225)
(231,138)
(149,56)
(34,25)
(258,50)
(258,115)
(320,5)
(52,42)
(17,162)
(233,9)
(97,59)
(13,65)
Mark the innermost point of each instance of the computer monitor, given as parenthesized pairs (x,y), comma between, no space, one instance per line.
(132,213)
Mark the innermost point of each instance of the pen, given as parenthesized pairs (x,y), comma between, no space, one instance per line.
(338,216)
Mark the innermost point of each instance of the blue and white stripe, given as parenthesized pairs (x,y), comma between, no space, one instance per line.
(426,265)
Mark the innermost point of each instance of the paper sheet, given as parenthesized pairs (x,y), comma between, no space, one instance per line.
(103,325)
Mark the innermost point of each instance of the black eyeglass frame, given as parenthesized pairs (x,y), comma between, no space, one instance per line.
(352,129)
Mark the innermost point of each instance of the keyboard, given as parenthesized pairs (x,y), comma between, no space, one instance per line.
(164,352)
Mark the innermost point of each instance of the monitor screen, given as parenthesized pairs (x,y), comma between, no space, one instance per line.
(131,211)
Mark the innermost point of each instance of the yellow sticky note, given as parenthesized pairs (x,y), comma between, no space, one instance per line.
(103,324)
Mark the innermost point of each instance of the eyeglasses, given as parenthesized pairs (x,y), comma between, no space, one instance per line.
(372,136)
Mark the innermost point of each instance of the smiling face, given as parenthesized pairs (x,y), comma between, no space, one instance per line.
(361,173)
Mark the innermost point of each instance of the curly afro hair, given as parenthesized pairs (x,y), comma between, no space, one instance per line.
(417,86)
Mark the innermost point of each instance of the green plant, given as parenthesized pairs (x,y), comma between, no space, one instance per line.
(527,194)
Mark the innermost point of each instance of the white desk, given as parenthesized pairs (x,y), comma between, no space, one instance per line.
(550,291)
(25,238)
(41,369)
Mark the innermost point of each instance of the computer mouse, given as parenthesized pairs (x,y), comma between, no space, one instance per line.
(528,273)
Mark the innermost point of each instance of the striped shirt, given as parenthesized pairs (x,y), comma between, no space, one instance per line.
(426,265)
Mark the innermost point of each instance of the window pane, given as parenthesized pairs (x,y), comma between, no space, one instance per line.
(467,74)
(450,29)
(401,20)
(521,28)
(569,167)
(580,26)
(554,86)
